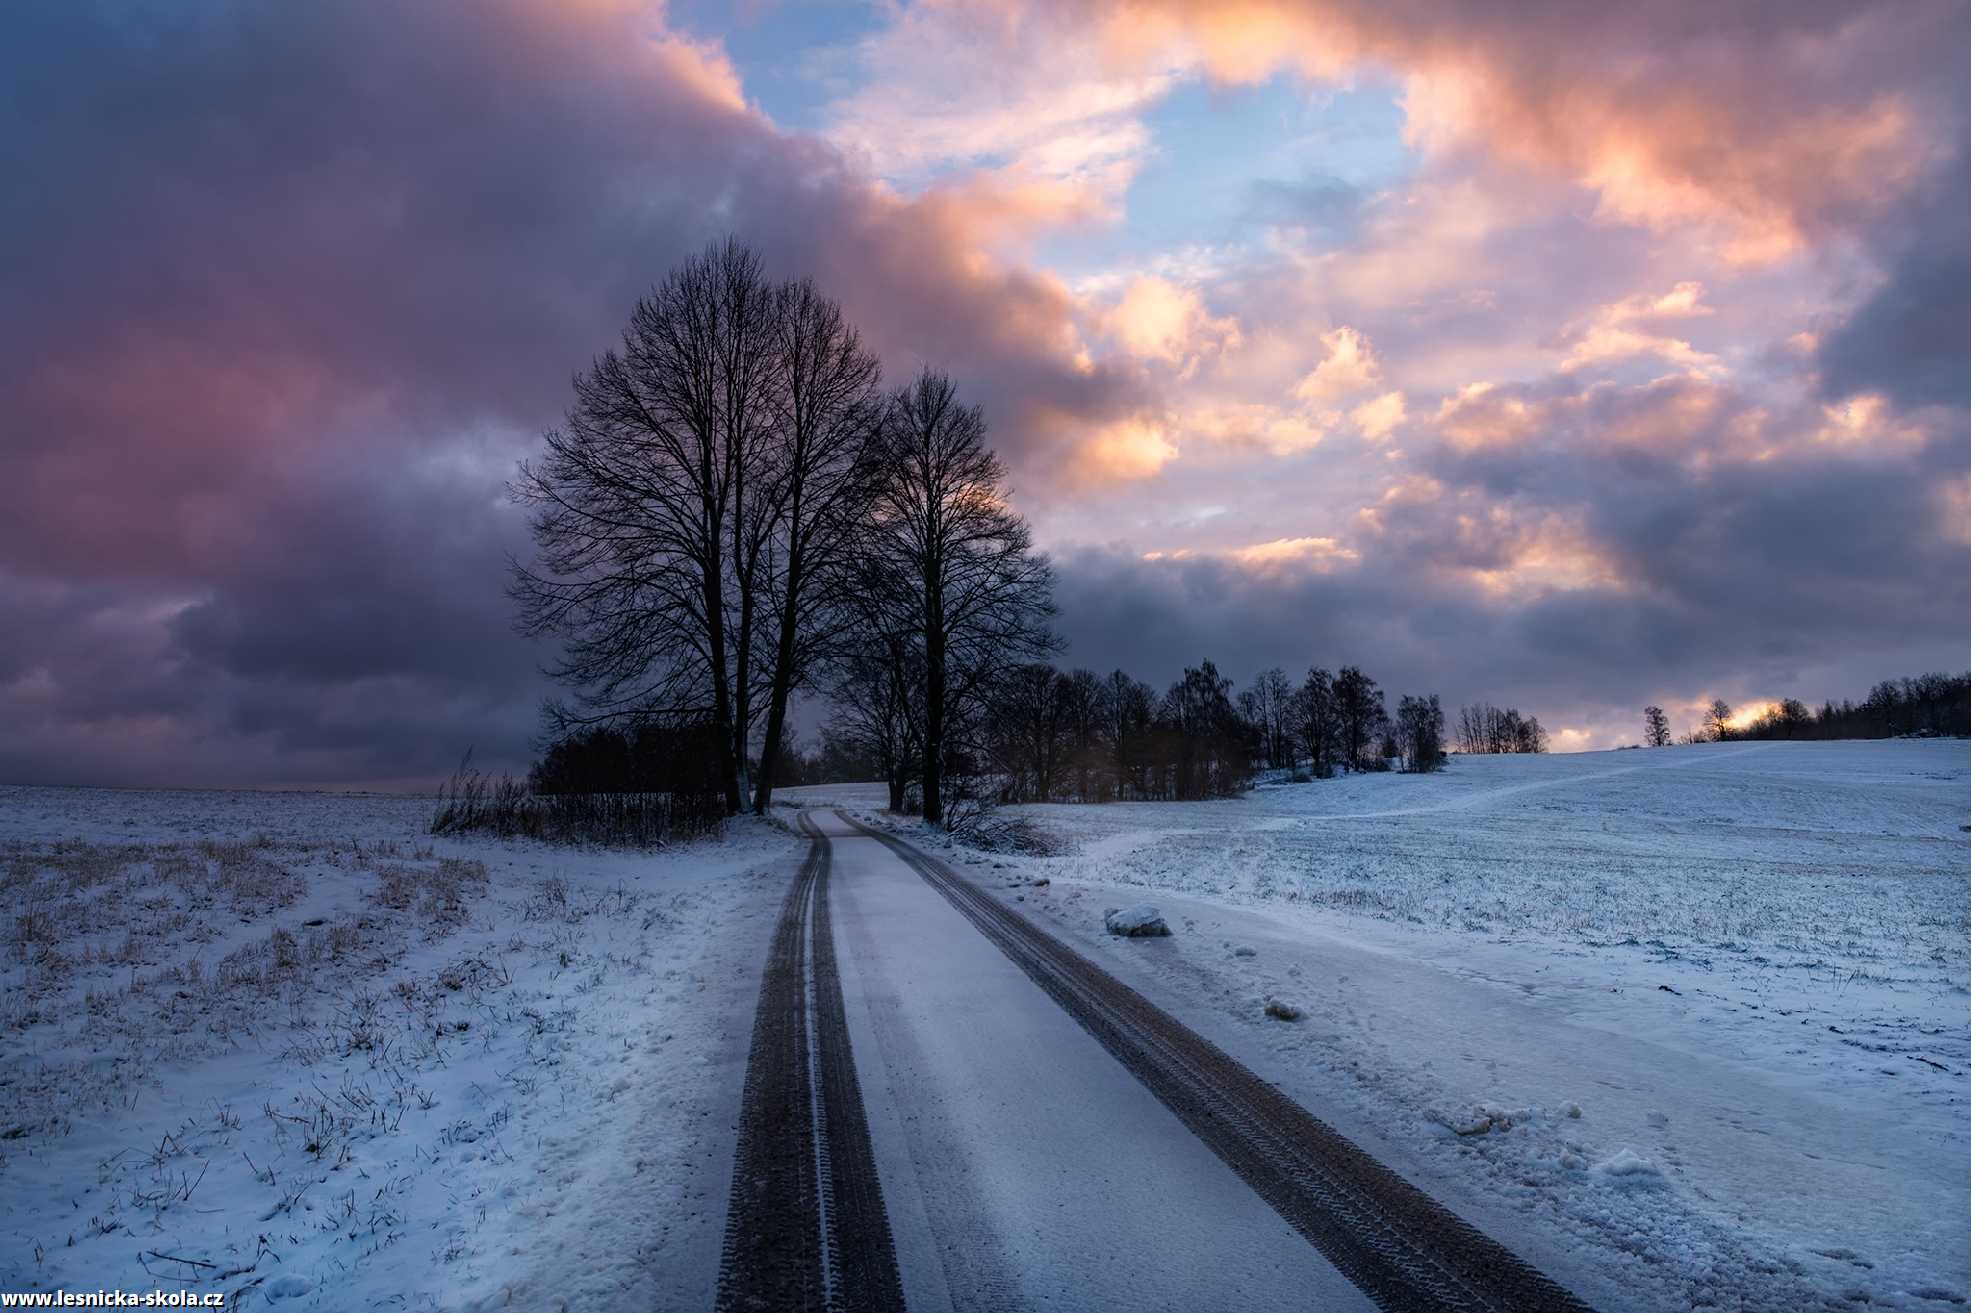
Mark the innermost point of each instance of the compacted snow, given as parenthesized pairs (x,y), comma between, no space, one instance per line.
(1690,1026)
(289,1047)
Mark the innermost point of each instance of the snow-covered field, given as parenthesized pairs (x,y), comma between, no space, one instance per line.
(1689,1027)
(290,1047)
(1692,1026)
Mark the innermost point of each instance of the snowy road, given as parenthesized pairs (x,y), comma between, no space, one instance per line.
(1043,1136)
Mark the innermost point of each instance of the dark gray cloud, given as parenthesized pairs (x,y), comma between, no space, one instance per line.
(303,283)
(1911,338)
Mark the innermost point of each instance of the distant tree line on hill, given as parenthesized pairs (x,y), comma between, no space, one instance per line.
(1934,704)
(1484,728)
(1040,734)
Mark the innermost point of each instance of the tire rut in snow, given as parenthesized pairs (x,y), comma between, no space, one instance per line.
(806,1228)
(1401,1248)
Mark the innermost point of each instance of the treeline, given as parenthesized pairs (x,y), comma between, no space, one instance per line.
(1049,735)
(1923,705)
(1486,728)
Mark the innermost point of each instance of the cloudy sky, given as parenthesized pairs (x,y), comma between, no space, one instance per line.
(1574,356)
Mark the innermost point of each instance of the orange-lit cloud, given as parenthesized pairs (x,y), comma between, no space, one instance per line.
(1652,110)
(1257,425)
(1633,327)
(1377,419)
(1159,320)
(1349,367)
(1319,553)
(1124,451)
(1480,415)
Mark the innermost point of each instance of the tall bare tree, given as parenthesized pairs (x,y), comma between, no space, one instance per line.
(827,414)
(1656,727)
(647,535)
(1128,715)
(981,597)
(1320,721)
(1359,708)
(1420,733)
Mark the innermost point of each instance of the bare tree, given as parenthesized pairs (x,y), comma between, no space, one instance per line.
(1483,728)
(827,416)
(1420,733)
(1128,710)
(1027,733)
(1269,706)
(1320,723)
(1359,708)
(942,531)
(644,517)
(1528,735)
(1717,720)
(1210,752)
(873,691)
(1656,727)
(1081,699)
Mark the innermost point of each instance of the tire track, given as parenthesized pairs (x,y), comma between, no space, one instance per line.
(1403,1249)
(806,1228)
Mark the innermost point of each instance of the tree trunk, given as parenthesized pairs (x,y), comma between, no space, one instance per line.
(783,682)
(934,691)
(721,693)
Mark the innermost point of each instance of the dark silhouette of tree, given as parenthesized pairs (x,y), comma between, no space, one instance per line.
(1656,727)
(1319,723)
(1210,753)
(1269,707)
(940,530)
(1359,709)
(1081,711)
(1128,713)
(816,490)
(1529,736)
(1717,720)
(1027,735)
(646,516)
(1420,733)
(875,690)
(1484,728)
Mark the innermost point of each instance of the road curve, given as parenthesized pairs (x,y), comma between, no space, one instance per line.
(1396,1245)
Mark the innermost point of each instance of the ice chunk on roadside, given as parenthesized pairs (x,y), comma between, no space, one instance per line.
(1281,1008)
(1626,1162)
(1135,922)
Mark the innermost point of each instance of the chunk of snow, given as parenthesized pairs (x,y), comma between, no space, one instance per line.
(1281,1008)
(1134,922)
(1245,950)
(1626,1162)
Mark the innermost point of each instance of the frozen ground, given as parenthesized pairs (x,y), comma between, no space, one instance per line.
(1692,1026)
(290,1047)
